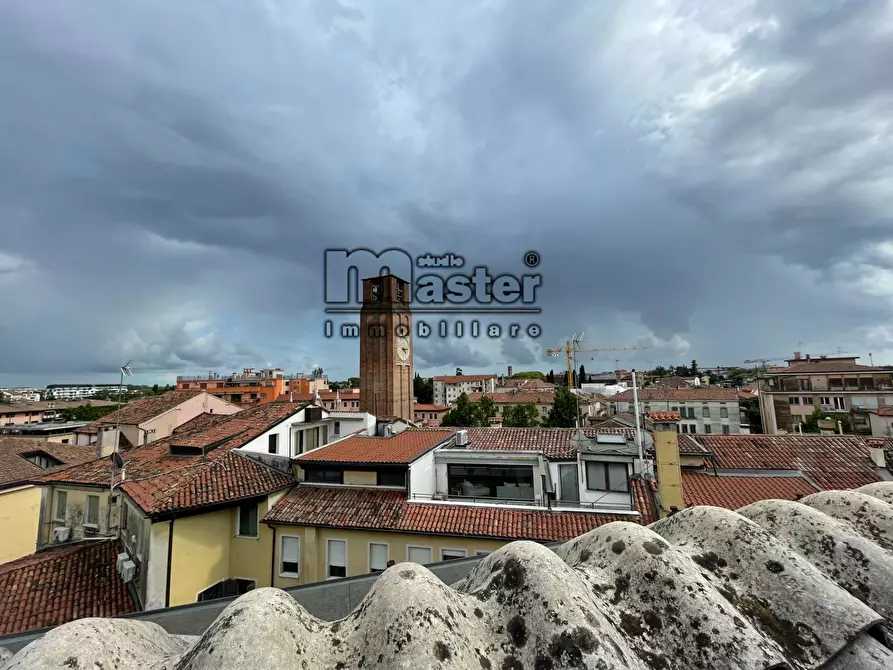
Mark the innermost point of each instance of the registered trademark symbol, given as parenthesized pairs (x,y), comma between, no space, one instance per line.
(531,259)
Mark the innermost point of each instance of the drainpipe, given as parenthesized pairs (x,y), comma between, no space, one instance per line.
(273,559)
(170,556)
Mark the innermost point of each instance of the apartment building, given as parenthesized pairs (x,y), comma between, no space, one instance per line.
(30,413)
(448,388)
(81,391)
(702,409)
(250,387)
(429,415)
(836,385)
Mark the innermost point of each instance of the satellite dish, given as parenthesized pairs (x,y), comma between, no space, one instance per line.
(117,461)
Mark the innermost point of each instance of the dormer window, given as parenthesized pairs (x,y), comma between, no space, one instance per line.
(42,459)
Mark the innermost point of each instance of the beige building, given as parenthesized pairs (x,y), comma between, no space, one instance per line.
(25,413)
(838,386)
(448,388)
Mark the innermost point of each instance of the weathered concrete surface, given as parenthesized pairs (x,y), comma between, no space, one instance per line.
(777,584)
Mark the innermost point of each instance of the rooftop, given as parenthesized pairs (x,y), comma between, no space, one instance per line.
(15,468)
(458,379)
(161,483)
(521,397)
(401,449)
(822,365)
(57,405)
(732,492)
(554,443)
(663,416)
(692,393)
(425,407)
(705,588)
(144,409)
(62,584)
(831,461)
(386,510)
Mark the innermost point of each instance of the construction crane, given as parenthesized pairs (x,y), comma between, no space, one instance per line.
(572,346)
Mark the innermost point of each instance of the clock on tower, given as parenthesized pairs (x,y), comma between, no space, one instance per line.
(386,372)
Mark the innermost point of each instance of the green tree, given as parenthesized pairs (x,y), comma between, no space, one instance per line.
(530,374)
(521,416)
(659,371)
(752,414)
(317,372)
(3,398)
(485,409)
(694,368)
(353,382)
(811,424)
(423,388)
(458,372)
(463,414)
(738,376)
(155,389)
(85,412)
(551,377)
(564,409)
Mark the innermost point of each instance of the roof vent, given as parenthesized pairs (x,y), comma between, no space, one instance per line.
(461,438)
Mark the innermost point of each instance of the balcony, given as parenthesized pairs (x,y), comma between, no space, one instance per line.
(539,504)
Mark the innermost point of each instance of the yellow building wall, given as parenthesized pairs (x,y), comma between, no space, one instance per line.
(201,554)
(19,522)
(75,509)
(314,542)
(252,558)
(358,478)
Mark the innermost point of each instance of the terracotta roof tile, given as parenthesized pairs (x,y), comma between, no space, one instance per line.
(201,422)
(663,416)
(365,508)
(883,411)
(831,461)
(144,409)
(402,448)
(457,379)
(62,584)
(160,483)
(14,467)
(734,492)
(690,394)
(825,366)
(554,443)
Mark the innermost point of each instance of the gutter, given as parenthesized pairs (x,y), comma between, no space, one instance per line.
(170,555)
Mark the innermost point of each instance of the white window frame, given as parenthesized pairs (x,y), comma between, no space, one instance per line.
(273,441)
(239,522)
(282,573)
(87,523)
(56,498)
(464,553)
(328,557)
(387,549)
(410,547)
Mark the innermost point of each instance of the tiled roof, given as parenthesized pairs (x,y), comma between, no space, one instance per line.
(555,443)
(144,409)
(883,411)
(519,398)
(201,422)
(733,492)
(825,366)
(342,507)
(457,379)
(671,382)
(663,416)
(423,407)
(160,483)
(14,467)
(91,428)
(527,383)
(831,461)
(402,448)
(690,394)
(62,584)
(55,405)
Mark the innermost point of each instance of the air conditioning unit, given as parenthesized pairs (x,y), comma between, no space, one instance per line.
(128,571)
(122,557)
(461,438)
(61,534)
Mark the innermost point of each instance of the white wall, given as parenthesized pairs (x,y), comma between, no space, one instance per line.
(284,447)
(422,476)
(156,574)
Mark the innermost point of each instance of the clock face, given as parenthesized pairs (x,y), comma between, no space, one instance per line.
(403,349)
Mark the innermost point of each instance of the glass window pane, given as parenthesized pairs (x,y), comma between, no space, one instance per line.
(595,476)
(378,557)
(617,477)
(290,555)
(420,555)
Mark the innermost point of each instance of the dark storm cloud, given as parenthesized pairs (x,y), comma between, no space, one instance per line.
(705,181)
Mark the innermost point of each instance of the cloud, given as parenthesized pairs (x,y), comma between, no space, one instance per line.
(516,350)
(709,181)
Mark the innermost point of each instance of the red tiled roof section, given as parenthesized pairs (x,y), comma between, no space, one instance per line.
(831,461)
(553,442)
(201,422)
(883,411)
(736,492)
(825,366)
(458,379)
(690,394)
(368,508)
(14,467)
(663,416)
(144,409)
(402,448)
(60,585)
(519,398)
(423,407)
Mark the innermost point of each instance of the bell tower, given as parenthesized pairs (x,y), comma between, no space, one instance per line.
(386,372)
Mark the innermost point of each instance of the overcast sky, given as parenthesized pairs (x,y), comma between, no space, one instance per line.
(711,180)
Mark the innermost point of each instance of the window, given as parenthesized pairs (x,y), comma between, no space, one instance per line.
(336,428)
(705,412)
(795,400)
(312,438)
(604,476)
(42,460)
(227,589)
(839,402)
(707,429)
(378,557)
(674,409)
(506,482)
(452,554)
(323,476)
(248,520)
(91,514)
(725,430)
(336,563)
(61,505)
(391,478)
(273,443)
(691,412)
(325,434)
(300,441)
(420,555)
(289,556)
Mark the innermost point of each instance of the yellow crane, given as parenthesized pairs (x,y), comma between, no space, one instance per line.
(571,347)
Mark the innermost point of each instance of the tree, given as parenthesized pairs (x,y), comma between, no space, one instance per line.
(154,389)
(530,374)
(458,372)
(564,409)
(85,412)
(423,389)
(521,416)
(751,408)
(738,376)
(353,382)
(551,377)
(811,425)
(659,371)
(317,372)
(463,413)
(694,368)
(485,409)
(581,378)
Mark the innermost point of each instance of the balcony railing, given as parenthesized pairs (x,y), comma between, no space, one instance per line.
(575,504)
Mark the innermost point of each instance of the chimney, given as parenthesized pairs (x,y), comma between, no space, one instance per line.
(510,371)
(668,466)
(797,356)
(876,450)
